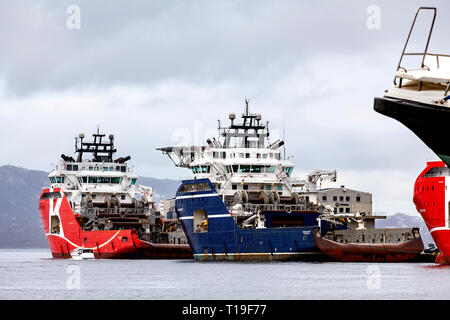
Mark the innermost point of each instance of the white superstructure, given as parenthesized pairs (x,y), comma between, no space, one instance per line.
(103,191)
(245,167)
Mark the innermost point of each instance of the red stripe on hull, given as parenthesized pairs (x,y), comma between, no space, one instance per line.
(107,244)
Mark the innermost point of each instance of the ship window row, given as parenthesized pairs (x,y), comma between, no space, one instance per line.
(195,187)
(255,169)
(56,179)
(247,155)
(268,187)
(72,167)
(250,169)
(201,169)
(117,168)
(437,172)
(114,180)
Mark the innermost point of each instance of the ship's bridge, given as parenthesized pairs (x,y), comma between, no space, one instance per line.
(98,177)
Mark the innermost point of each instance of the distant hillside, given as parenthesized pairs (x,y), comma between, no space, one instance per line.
(401,220)
(20,224)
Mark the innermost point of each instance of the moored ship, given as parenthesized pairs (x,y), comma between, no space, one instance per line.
(244,204)
(94,208)
(372,245)
(419,100)
(432,200)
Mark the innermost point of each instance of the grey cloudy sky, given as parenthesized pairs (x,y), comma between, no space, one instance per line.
(151,72)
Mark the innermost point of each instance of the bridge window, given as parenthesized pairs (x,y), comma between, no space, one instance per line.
(71,167)
(59,179)
(104,180)
(51,195)
(204,169)
(256,169)
(244,169)
(195,187)
(270,169)
(288,171)
(116,180)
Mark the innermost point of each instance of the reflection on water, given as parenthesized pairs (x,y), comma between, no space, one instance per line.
(32,274)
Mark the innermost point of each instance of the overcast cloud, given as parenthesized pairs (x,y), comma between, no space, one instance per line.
(152,71)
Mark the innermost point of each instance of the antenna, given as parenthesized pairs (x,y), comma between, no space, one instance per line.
(246,106)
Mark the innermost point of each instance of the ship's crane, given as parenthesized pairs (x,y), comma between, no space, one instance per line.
(321,175)
(182,156)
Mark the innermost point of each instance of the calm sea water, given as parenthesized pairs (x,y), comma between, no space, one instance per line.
(33,274)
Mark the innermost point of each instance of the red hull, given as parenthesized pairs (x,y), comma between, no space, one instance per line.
(357,252)
(108,244)
(432,202)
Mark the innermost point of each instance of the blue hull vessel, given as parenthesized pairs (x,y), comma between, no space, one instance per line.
(213,233)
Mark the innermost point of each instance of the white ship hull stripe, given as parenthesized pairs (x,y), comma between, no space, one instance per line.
(439,228)
(209,216)
(77,246)
(198,196)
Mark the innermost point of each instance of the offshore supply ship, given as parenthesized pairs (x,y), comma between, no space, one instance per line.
(244,204)
(94,208)
(420,100)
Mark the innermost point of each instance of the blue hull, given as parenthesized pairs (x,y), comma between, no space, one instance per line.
(224,240)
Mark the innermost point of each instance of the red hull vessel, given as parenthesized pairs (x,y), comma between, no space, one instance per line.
(95,209)
(420,100)
(106,244)
(405,251)
(431,198)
